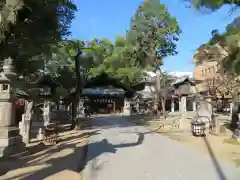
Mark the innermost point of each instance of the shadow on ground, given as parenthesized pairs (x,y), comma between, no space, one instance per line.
(218,168)
(51,165)
(37,169)
(54,165)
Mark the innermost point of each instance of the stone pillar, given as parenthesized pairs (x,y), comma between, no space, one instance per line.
(204,114)
(126,107)
(80,108)
(183,111)
(24,127)
(40,135)
(183,104)
(172,105)
(46,112)
(194,105)
(137,106)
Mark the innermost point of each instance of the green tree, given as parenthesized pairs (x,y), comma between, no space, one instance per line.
(13,11)
(153,34)
(50,21)
(213,4)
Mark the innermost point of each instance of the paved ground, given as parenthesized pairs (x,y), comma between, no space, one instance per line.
(122,151)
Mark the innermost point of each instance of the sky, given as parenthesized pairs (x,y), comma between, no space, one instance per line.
(109,18)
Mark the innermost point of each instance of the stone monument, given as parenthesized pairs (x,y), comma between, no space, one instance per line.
(204,112)
(10,140)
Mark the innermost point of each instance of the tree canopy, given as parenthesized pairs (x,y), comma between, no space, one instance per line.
(36,27)
(152,35)
(229,40)
(213,4)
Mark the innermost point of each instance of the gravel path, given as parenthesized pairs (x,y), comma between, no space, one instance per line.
(122,151)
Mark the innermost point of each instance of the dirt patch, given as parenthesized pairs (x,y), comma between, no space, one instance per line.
(65,160)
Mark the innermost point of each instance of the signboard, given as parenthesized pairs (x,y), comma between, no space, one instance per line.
(20,102)
(101,91)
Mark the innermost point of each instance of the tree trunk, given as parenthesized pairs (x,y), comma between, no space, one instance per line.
(163,103)
(74,114)
(234,117)
(57,104)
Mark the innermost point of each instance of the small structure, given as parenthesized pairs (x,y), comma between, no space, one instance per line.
(185,90)
(180,95)
(104,94)
(10,140)
(107,95)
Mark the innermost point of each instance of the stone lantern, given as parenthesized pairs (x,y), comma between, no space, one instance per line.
(47,87)
(10,140)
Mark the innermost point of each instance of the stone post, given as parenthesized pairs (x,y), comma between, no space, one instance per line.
(46,112)
(40,135)
(126,107)
(10,139)
(25,126)
(80,108)
(183,104)
(183,110)
(172,105)
(137,106)
(194,105)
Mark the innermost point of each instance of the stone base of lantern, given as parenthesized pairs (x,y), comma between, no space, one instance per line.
(10,142)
